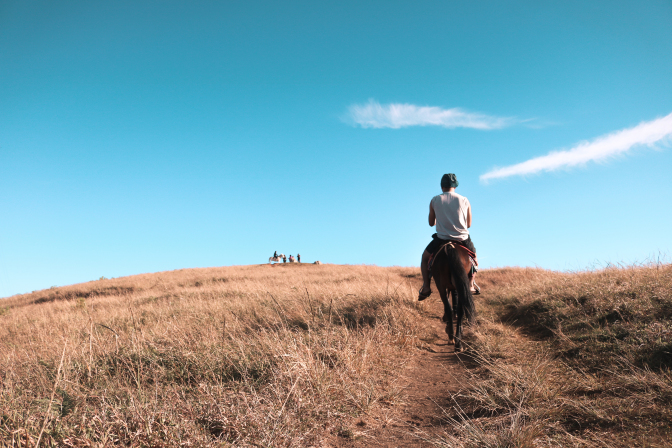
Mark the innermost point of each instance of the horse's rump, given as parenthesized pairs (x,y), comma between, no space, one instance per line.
(456,245)
(450,268)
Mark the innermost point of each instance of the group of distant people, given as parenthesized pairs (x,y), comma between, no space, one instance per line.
(291,257)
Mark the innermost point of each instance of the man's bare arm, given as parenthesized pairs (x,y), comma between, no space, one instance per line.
(469,217)
(432,215)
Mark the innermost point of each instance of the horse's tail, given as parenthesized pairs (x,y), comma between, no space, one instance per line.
(461,283)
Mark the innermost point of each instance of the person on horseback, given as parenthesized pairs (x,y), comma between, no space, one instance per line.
(451,213)
(275,254)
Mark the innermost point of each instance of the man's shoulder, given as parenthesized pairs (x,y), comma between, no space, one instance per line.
(462,200)
(459,196)
(450,195)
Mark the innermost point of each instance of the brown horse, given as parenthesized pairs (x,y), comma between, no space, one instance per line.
(450,271)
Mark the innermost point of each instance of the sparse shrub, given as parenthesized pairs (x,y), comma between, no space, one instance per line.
(346,433)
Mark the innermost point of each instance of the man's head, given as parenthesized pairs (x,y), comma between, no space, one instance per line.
(449,181)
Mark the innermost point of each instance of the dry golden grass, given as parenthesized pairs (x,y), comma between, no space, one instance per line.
(577,359)
(291,355)
(247,356)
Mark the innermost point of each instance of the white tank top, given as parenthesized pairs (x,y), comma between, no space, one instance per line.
(451,216)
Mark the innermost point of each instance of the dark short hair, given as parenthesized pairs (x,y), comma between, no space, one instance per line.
(449,181)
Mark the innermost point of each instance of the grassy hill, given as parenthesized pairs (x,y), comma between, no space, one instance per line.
(291,355)
(577,359)
(254,355)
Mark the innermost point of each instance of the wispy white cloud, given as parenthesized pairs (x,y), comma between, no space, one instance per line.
(648,133)
(395,115)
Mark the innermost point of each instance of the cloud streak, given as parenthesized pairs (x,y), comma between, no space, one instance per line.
(647,133)
(395,115)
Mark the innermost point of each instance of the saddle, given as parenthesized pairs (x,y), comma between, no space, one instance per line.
(454,245)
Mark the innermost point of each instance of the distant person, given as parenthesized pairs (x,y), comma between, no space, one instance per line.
(275,254)
(298,258)
(291,259)
(284,259)
(451,213)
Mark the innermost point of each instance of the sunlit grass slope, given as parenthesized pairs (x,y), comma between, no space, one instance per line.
(578,359)
(291,355)
(253,355)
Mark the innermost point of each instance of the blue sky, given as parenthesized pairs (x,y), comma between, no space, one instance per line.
(148,136)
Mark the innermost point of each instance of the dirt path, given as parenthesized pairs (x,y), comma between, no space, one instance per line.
(430,379)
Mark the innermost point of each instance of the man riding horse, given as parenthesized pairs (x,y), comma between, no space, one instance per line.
(451,213)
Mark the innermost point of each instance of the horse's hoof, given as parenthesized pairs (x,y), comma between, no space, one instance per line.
(451,341)
(423,295)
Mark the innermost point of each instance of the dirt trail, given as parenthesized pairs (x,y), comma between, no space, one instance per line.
(430,379)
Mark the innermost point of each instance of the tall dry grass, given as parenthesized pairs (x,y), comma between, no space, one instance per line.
(290,355)
(578,359)
(246,356)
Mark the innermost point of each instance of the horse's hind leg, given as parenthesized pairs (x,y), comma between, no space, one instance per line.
(459,312)
(447,309)
(458,330)
(447,313)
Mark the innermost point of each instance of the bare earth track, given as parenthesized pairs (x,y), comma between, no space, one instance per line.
(431,377)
